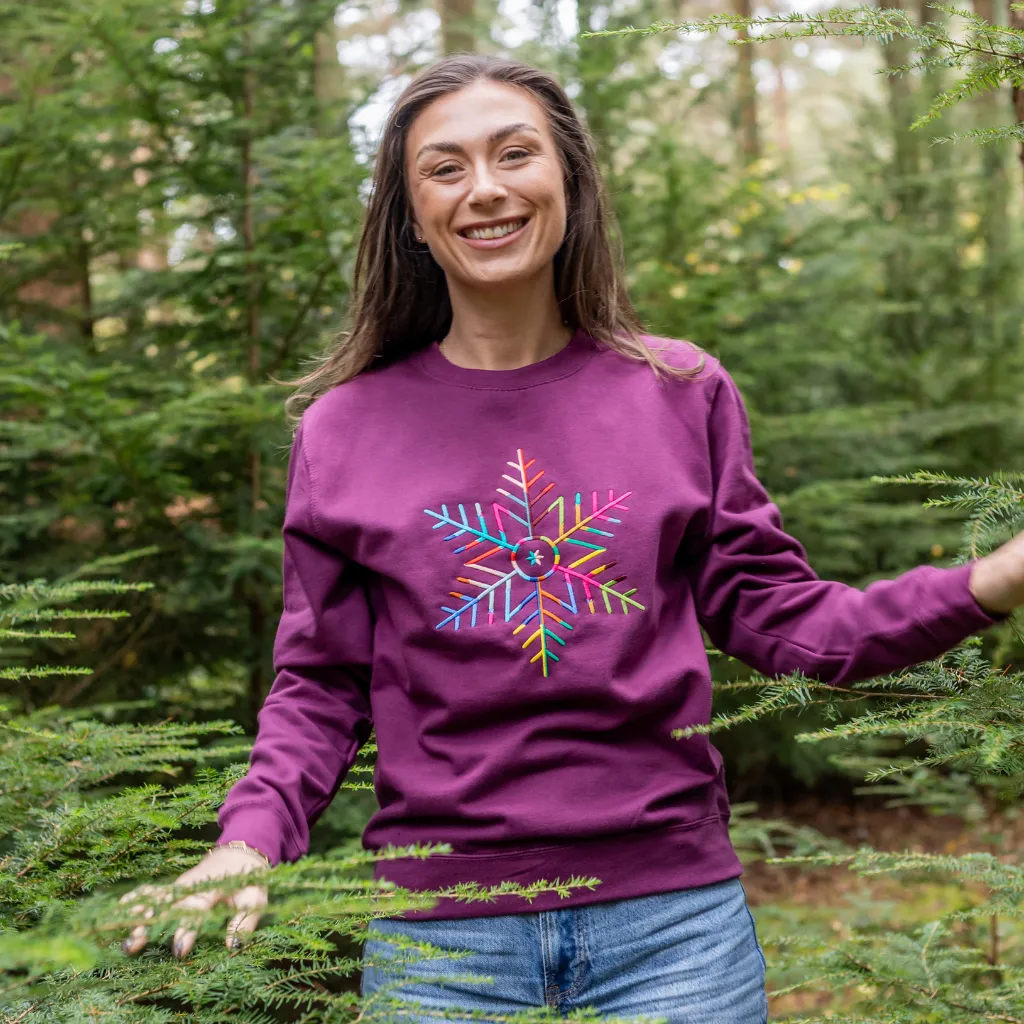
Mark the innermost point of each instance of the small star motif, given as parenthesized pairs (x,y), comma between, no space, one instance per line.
(535,558)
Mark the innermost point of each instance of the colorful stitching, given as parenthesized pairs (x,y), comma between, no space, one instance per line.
(534,558)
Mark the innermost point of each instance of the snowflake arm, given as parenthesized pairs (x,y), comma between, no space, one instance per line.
(472,604)
(462,527)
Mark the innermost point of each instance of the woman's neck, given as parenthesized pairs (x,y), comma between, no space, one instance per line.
(490,333)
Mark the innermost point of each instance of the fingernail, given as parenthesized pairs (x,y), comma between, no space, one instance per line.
(177,947)
(235,942)
(126,946)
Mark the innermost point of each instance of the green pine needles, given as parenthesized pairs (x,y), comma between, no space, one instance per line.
(93,805)
(985,56)
(956,730)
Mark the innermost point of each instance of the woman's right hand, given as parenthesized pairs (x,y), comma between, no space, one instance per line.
(219,862)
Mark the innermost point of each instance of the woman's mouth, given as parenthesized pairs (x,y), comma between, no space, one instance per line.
(494,235)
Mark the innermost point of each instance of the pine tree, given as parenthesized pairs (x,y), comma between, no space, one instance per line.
(986,58)
(964,709)
(179,164)
(92,806)
(75,830)
(869,325)
(958,728)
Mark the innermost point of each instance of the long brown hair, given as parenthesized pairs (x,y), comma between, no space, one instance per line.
(400,299)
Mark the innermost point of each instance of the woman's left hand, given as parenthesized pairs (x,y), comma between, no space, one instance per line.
(997,580)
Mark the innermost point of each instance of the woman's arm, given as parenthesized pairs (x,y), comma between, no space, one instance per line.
(760,600)
(998,579)
(317,714)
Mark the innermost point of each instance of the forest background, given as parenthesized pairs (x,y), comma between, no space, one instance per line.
(181,187)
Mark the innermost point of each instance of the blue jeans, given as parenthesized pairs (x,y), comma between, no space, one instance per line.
(684,957)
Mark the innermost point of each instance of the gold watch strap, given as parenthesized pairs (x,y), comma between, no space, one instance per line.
(239,844)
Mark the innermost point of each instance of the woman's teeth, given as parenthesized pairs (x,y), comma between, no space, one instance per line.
(497,232)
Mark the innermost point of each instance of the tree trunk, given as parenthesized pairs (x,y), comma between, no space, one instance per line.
(66,284)
(942,200)
(257,616)
(595,60)
(1017,22)
(749,140)
(457,29)
(995,199)
(84,262)
(903,324)
(906,157)
(329,81)
(780,102)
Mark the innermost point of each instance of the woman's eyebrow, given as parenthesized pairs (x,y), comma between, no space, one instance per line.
(496,136)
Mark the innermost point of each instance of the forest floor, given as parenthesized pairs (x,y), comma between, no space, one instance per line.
(830,902)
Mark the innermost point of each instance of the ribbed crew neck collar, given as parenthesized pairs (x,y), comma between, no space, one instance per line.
(564,362)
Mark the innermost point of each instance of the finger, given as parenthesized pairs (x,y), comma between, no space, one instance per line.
(185,935)
(156,893)
(199,901)
(135,942)
(137,939)
(184,939)
(250,900)
(240,928)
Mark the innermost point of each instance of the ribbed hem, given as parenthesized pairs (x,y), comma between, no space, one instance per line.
(962,615)
(635,864)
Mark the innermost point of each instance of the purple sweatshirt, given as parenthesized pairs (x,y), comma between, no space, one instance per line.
(505,573)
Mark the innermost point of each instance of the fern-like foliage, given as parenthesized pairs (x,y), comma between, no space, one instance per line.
(956,729)
(91,806)
(984,55)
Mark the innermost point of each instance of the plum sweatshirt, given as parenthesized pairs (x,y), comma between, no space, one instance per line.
(504,573)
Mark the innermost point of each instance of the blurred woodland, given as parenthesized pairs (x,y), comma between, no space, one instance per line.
(181,189)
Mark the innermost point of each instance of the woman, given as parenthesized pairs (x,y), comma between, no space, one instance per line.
(508,515)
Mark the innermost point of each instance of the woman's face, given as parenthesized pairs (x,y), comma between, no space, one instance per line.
(487,185)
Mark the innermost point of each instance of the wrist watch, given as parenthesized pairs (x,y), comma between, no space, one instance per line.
(238,844)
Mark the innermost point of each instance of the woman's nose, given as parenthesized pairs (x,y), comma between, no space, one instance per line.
(486,187)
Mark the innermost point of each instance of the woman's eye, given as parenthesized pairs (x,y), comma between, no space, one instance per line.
(445,169)
(516,154)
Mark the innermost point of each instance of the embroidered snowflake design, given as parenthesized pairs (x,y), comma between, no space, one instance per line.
(516,555)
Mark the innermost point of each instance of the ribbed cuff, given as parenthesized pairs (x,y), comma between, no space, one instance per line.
(260,827)
(962,615)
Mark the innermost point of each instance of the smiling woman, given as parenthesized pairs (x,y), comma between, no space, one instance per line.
(503,534)
(473,147)
(489,202)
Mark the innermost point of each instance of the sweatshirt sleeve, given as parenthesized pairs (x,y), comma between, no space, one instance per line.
(761,602)
(317,714)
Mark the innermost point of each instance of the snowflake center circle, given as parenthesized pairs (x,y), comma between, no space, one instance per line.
(535,558)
